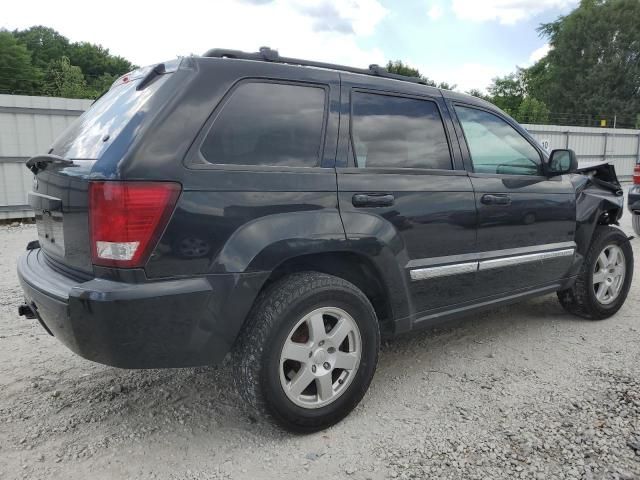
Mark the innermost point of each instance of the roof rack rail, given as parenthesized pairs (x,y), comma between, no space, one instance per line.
(267,54)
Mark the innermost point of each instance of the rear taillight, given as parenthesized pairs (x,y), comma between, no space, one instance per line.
(636,175)
(126,219)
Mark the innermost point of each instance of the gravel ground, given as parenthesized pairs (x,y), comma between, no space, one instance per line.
(525,391)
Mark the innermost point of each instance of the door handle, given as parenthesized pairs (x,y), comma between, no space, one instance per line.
(372,200)
(496,199)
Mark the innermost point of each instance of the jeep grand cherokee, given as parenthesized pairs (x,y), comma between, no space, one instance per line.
(289,213)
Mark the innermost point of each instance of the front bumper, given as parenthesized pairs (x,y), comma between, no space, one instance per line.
(633,201)
(165,323)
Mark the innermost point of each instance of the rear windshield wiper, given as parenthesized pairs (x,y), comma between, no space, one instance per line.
(40,162)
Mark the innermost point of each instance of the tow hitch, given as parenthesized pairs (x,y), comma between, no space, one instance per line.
(30,311)
(25,310)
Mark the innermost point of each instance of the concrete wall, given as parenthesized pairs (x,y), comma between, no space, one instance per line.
(592,144)
(28,125)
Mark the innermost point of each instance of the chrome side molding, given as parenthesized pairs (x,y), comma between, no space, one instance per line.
(470,267)
(443,271)
(519,259)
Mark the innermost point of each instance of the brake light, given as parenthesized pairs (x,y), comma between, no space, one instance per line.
(636,175)
(126,220)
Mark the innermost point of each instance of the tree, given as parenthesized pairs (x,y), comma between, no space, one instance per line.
(593,66)
(65,80)
(400,68)
(476,92)
(44,43)
(100,68)
(95,60)
(508,92)
(532,111)
(48,49)
(17,74)
(446,85)
(512,94)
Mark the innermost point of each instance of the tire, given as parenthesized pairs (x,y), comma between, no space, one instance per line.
(289,314)
(581,299)
(635,220)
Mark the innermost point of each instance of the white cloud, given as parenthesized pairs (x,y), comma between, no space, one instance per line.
(325,30)
(505,11)
(465,75)
(435,12)
(538,53)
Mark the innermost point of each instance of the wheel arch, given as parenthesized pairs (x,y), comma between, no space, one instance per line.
(353,267)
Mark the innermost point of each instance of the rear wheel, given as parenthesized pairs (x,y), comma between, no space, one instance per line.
(605,277)
(309,351)
(635,219)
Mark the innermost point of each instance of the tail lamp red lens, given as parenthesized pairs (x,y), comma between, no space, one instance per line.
(636,175)
(126,220)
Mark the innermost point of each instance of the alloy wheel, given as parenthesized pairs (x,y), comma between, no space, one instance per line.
(608,274)
(320,357)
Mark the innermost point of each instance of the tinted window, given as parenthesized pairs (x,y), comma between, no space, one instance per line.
(107,118)
(495,146)
(268,124)
(397,132)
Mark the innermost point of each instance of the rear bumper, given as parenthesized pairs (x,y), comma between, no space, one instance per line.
(634,199)
(168,323)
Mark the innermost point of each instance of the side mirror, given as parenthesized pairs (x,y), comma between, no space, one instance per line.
(561,162)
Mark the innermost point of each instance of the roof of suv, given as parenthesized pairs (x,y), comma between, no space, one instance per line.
(266,54)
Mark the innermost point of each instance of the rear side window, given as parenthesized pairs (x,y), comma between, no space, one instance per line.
(268,124)
(495,146)
(398,132)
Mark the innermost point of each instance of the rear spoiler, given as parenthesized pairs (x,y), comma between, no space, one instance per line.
(40,162)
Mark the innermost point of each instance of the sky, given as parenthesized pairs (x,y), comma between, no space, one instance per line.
(464,42)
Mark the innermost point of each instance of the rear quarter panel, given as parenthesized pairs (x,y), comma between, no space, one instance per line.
(233,218)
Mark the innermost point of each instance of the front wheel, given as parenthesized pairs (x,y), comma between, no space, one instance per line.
(635,220)
(309,351)
(604,279)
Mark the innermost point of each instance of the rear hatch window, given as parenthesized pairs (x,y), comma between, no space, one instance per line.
(92,133)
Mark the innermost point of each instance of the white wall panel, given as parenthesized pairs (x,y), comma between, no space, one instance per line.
(28,126)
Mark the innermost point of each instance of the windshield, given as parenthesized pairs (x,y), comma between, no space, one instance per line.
(92,133)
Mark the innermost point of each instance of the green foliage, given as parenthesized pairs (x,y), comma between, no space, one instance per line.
(17,74)
(531,110)
(475,92)
(508,92)
(64,80)
(594,65)
(511,93)
(446,85)
(44,43)
(49,64)
(592,70)
(400,68)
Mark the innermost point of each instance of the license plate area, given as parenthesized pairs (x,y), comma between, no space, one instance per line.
(50,231)
(48,213)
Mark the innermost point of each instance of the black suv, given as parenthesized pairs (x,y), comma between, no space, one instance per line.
(289,213)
